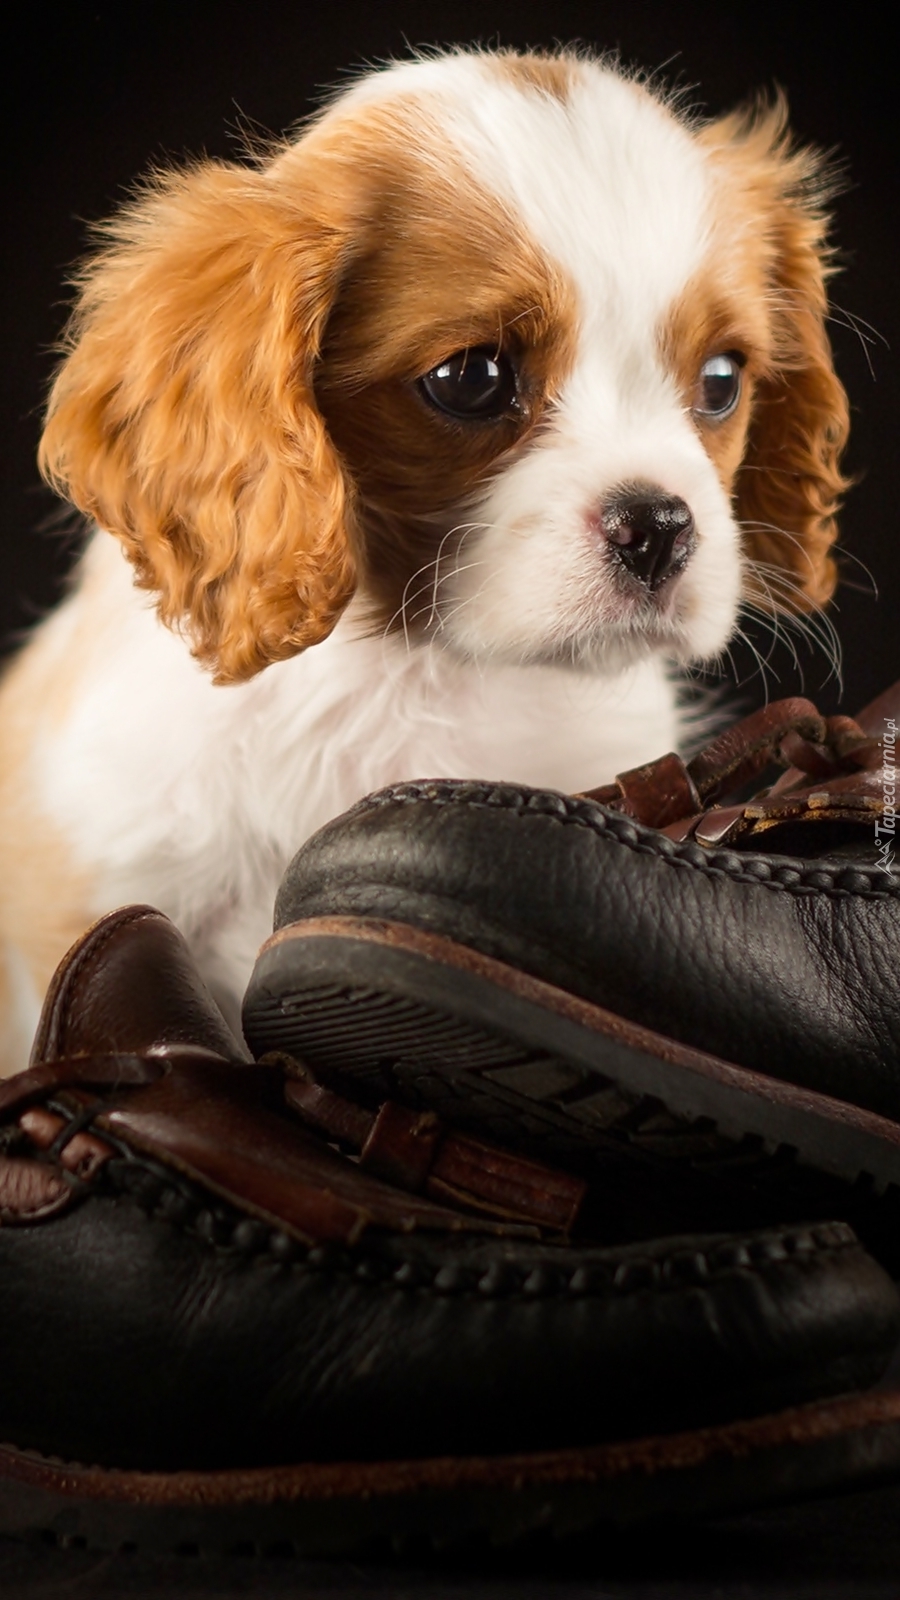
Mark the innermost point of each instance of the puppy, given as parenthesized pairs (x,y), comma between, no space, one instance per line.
(431,443)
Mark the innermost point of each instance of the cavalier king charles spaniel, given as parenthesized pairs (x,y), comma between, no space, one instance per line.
(433,442)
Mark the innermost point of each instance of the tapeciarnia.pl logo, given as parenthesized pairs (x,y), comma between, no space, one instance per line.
(887,827)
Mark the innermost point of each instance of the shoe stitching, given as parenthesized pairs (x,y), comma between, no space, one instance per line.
(796,878)
(152,1188)
(179,1203)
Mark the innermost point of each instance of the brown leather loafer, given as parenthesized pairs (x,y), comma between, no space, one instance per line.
(242,1332)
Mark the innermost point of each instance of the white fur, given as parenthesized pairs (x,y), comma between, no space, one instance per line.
(194,797)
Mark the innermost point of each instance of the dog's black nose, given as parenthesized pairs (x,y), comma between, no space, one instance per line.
(651,533)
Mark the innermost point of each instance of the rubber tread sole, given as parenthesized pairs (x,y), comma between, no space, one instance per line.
(342,1508)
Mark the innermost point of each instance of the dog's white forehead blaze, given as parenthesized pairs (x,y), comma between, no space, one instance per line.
(603,177)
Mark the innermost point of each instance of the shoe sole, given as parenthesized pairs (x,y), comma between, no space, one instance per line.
(415,1016)
(327,1509)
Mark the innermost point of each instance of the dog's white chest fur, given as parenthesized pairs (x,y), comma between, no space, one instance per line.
(192,796)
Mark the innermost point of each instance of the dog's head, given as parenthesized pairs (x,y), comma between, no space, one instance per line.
(506,343)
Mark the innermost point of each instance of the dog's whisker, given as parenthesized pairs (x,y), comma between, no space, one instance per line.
(771,622)
(855,560)
(867,335)
(763,666)
(782,533)
(465,531)
(770,611)
(411,590)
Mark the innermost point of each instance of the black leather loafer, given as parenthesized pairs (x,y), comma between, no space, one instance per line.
(209,1310)
(644,973)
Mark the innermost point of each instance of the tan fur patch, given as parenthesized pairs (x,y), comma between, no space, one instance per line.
(771,220)
(44,905)
(182,419)
(547,74)
(711,319)
(445,269)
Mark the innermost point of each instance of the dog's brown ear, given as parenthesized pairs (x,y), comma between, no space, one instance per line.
(789,488)
(183,418)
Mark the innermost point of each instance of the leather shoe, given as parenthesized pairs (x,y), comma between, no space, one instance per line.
(650,973)
(242,1331)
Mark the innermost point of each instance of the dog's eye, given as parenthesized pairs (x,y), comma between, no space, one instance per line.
(473,384)
(719,388)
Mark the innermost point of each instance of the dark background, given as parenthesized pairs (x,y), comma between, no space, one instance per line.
(99,92)
(96,93)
